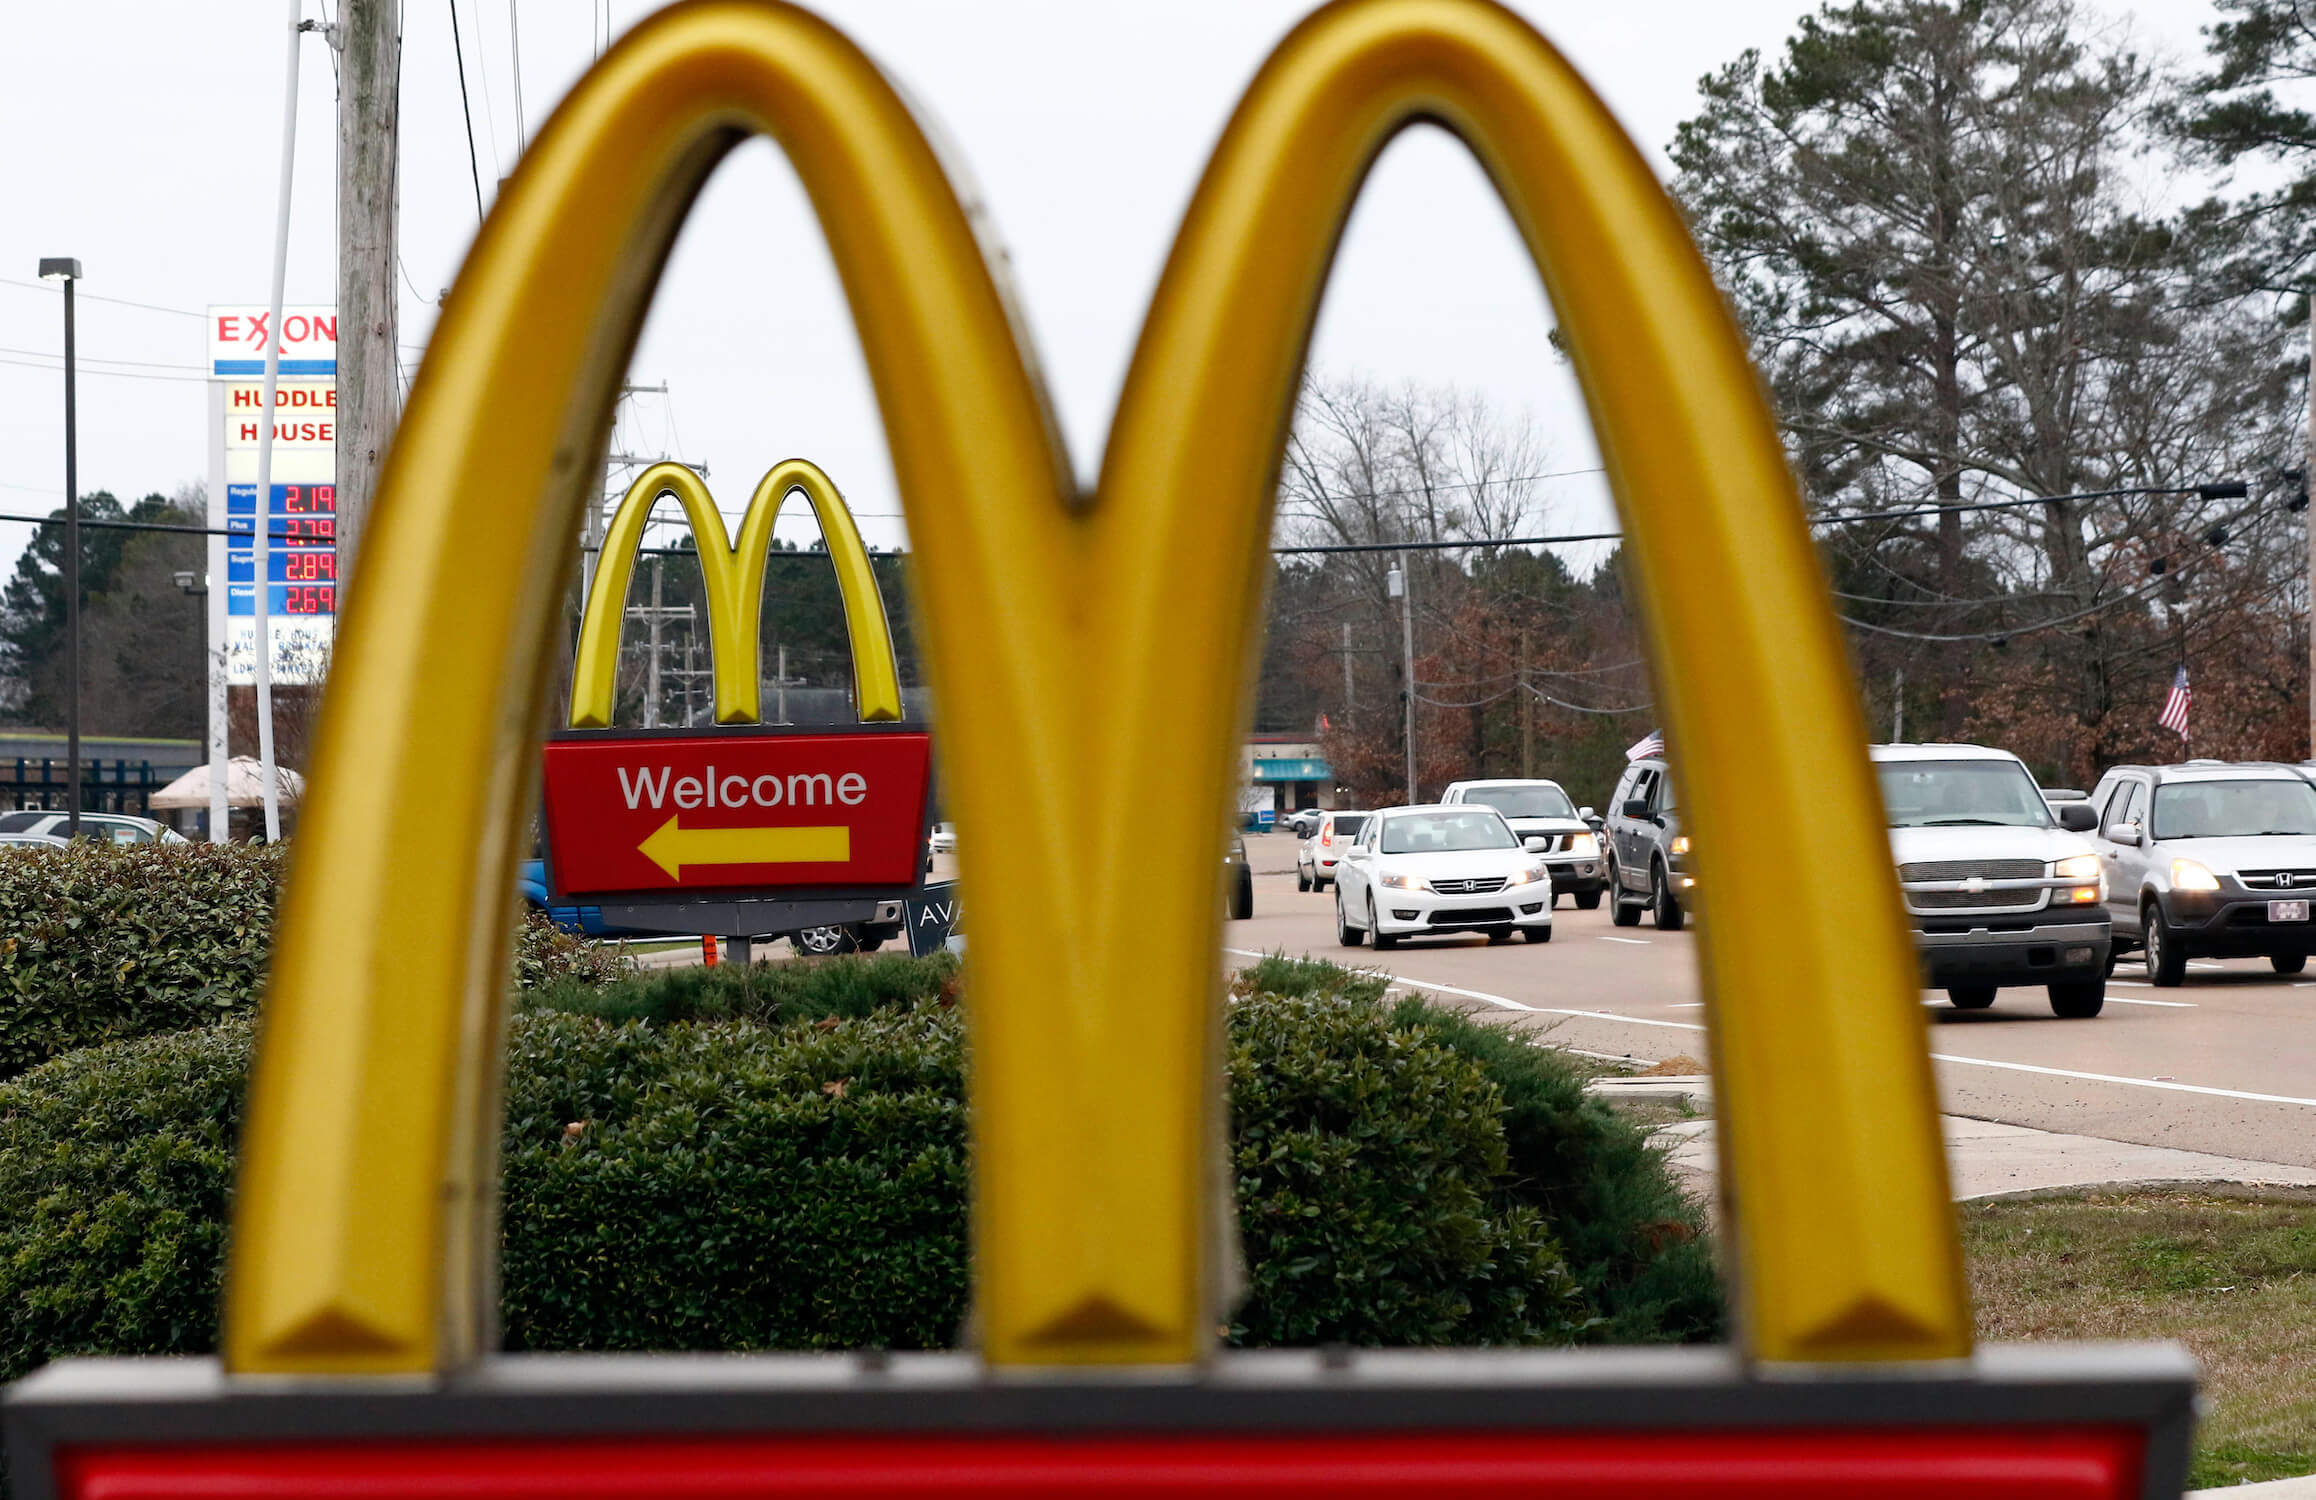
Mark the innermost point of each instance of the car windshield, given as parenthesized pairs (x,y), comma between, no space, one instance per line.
(1446,833)
(1349,828)
(18,822)
(1542,800)
(2233,809)
(1942,793)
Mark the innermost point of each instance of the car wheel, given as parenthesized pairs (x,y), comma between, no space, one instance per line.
(1302,878)
(1383,940)
(823,942)
(1669,913)
(2114,957)
(1538,934)
(2078,999)
(1242,895)
(2166,956)
(1499,935)
(1970,996)
(1620,911)
(1346,934)
(1586,900)
(2288,963)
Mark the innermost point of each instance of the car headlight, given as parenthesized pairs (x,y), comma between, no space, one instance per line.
(1529,876)
(2188,875)
(2077,867)
(1680,843)
(1583,844)
(1399,882)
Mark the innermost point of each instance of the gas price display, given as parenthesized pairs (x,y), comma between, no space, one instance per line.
(302,549)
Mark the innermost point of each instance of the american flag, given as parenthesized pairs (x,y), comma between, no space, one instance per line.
(2175,707)
(1648,749)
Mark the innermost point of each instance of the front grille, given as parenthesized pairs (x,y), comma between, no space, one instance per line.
(1481,885)
(1477,916)
(2280,880)
(1972,900)
(1972,869)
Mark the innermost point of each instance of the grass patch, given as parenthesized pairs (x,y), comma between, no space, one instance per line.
(2229,1272)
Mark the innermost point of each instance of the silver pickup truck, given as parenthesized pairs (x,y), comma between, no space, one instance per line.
(2000,890)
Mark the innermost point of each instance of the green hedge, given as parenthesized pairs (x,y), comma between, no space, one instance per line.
(102,942)
(732,1185)
(1638,1246)
(768,994)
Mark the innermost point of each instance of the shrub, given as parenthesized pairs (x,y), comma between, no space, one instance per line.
(731,1185)
(1637,1245)
(1367,1157)
(102,942)
(547,956)
(105,941)
(768,994)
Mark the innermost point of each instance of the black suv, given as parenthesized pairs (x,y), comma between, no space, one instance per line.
(1648,854)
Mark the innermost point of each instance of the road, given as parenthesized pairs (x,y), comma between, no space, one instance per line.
(2225,1064)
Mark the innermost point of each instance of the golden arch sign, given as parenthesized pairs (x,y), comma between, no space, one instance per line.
(732,571)
(1095,1097)
(736,831)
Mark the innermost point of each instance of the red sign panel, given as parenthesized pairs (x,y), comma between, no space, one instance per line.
(2061,1464)
(674,813)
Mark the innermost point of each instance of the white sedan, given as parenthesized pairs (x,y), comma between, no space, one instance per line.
(1421,870)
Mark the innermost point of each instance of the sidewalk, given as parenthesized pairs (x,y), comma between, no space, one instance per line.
(1988,1159)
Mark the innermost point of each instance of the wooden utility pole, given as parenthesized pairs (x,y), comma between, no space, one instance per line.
(2308,515)
(369,42)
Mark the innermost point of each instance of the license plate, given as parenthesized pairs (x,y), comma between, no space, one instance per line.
(2287,911)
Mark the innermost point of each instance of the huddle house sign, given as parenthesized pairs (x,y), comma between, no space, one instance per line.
(1088,648)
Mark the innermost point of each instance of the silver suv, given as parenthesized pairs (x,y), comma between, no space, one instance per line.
(2000,890)
(2209,859)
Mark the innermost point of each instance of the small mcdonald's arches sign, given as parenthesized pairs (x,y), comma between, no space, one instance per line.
(357,1353)
(662,816)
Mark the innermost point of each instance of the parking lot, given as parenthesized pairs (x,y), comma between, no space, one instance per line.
(2219,1065)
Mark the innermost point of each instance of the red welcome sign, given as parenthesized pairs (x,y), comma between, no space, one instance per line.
(660,813)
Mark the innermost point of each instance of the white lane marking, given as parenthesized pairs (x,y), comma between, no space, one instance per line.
(2137,984)
(1687,1005)
(1636,942)
(2144,1083)
(2166,1004)
(2197,963)
(1948,1057)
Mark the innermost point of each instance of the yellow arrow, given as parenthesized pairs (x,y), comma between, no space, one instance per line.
(675,846)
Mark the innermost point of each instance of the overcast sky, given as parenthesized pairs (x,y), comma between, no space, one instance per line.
(144,139)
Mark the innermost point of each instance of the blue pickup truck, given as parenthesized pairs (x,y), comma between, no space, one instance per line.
(587,921)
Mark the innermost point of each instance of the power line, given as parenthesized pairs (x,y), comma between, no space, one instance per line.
(2224,490)
(79,358)
(41,286)
(115,374)
(473,162)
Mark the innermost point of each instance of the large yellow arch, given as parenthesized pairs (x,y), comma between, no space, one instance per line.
(1111,649)
(732,575)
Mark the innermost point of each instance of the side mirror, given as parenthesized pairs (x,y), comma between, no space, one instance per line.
(2078,817)
(2124,833)
(1588,815)
(1636,808)
(1535,845)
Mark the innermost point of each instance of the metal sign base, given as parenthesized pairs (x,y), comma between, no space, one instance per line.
(2077,1421)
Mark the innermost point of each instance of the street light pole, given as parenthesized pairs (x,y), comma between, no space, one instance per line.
(67,271)
(1396,584)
